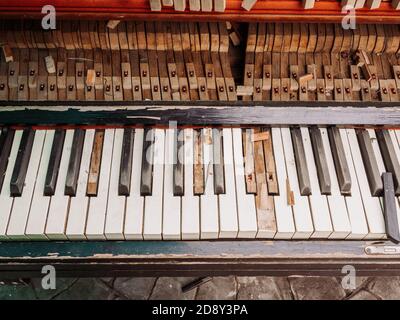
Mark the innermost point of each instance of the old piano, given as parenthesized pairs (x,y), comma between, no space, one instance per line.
(199,137)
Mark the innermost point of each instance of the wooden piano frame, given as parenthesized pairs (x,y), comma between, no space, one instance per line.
(271,10)
(195,258)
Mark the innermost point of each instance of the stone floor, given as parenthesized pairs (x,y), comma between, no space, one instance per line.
(228,288)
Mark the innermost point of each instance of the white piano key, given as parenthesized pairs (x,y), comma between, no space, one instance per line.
(355,209)
(20,209)
(172,204)
(190,202)
(228,217)
(36,224)
(318,202)
(114,225)
(78,205)
(246,206)
(284,215)
(133,229)
(98,205)
(301,210)
(6,200)
(153,205)
(337,205)
(208,201)
(372,206)
(58,210)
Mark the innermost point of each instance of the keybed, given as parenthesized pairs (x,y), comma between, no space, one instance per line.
(229,213)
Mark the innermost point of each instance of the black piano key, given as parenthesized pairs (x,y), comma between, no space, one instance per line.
(389,157)
(146,184)
(74,163)
(301,162)
(320,161)
(54,163)
(339,158)
(178,186)
(6,141)
(21,163)
(390,214)
(370,163)
(125,170)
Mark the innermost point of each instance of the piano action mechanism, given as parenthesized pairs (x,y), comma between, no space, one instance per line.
(240,137)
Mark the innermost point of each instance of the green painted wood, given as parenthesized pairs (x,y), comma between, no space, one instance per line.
(9,250)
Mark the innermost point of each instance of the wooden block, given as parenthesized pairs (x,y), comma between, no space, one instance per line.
(359,4)
(396,72)
(373,4)
(338,92)
(61,75)
(392,88)
(7,52)
(384,90)
(312,83)
(191,76)
(13,73)
(244,90)
(347,94)
(328,76)
(95,163)
(248,4)
(373,81)
(50,65)
(234,36)
(267,79)
(126,75)
(219,5)
(194,5)
(348,3)
(79,74)
(276,89)
(33,73)
(308,4)
(90,78)
(355,78)
(155,5)
(303,92)
(206,5)
(249,170)
(99,83)
(261,136)
(294,78)
(365,91)
(321,91)
(3,88)
(112,24)
(179,5)
(23,93)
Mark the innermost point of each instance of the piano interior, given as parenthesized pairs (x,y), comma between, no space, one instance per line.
(200,137)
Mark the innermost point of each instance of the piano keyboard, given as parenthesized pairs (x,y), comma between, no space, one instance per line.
(190,184)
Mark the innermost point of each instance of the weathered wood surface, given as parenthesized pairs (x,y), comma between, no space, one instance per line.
(289,10)
(271,113)
(200,258)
